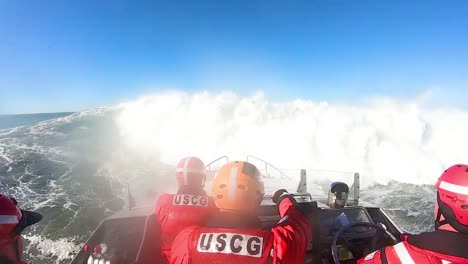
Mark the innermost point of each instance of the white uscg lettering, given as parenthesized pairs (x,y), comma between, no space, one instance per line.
(192,200)
(230,243)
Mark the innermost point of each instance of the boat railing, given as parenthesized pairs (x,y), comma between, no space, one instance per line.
(208,167)
(280,178)
(267,167)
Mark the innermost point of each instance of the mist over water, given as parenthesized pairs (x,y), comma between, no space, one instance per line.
(76,169)
(384,140)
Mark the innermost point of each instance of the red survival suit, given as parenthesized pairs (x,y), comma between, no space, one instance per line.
(178,211)
(12,253)
(224,241)
(438,247)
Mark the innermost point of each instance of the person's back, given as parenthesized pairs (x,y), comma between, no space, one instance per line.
(13,221)
(235,235)
(189,206)
(449,242)
(178,211)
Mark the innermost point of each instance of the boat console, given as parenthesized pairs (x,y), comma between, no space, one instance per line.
(329,221)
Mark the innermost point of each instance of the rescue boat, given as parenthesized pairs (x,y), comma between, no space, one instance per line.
(348,228)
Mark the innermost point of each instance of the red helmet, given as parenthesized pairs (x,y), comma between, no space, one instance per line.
(10,216)
(452,198)
(190,171)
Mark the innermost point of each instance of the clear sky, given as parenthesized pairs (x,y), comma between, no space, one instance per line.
(72,55)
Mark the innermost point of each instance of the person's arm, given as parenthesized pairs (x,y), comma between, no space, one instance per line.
(158,205)
(292,233)
(181,246)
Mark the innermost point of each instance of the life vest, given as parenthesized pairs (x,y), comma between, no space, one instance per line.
(284,243)
(178,211)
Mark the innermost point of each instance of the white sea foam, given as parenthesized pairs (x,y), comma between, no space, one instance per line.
(60,249)
(384,139)
(3,154)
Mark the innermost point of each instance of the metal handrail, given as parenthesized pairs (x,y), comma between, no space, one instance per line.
(283,175)
(211,163)
(354,190)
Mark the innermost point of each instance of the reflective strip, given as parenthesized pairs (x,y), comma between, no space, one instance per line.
(454,188)
(185,171)
(446,262)
(232,184)
(403,254)
(9,219)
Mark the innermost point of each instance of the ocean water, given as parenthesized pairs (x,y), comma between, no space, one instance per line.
(76,168)
(11,121)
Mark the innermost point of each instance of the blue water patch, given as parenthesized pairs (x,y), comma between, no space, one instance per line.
(11,121)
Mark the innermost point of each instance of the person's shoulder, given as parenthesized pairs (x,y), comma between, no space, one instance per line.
(182,244)
(165,197)
(187,233)
(163,200)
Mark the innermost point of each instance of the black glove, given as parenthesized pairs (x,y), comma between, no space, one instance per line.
(305,208)
(279,193)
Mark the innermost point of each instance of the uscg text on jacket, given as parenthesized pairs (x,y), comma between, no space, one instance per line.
(230,243)
(195,200)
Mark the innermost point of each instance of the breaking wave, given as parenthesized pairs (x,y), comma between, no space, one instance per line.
(384,140)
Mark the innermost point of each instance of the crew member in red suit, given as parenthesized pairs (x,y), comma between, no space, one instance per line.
(13,220)
(235,235)
(189,206)
(449,242)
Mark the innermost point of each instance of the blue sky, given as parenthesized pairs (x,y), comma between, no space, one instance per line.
(72,55)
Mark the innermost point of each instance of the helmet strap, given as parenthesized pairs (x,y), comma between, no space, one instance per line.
(438,223)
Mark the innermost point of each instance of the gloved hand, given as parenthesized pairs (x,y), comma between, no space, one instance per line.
(279,193)
(305,208)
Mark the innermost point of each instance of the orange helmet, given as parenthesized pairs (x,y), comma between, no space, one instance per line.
(190,171)
(237,187)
